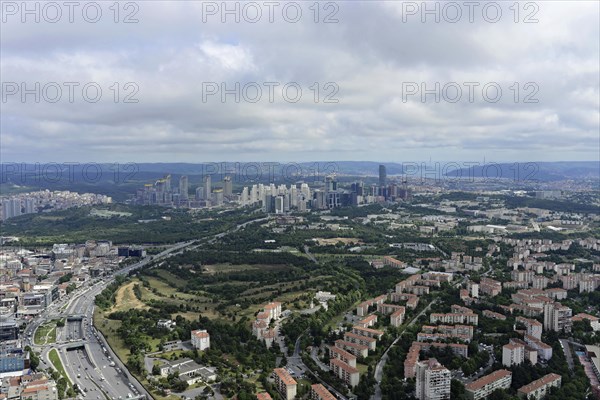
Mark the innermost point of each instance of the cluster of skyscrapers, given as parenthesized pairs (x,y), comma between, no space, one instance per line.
(163,193)
(278,199)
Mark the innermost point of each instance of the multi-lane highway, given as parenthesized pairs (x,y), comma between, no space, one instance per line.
(86,356)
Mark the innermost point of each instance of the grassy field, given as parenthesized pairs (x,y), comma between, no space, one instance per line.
(45,334)
(125,298)
(55,360)
(362,368)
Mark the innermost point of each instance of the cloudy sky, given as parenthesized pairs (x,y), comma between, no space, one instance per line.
(343,80)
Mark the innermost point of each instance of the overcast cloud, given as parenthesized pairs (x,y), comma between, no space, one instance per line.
(366,61)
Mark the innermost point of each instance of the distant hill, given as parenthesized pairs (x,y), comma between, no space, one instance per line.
(130,177)
(540,171)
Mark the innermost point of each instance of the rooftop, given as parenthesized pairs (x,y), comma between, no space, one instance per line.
(322,392)
(486,380)
(535,385)
(343,365)
(284,376)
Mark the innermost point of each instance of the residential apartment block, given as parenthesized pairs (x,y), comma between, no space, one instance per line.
(483,387)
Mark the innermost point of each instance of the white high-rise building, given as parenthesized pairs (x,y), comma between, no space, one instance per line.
(11,208)
(294,196)
(29,205)
(305,190)
(207,187)
(513,354)
(433,380)
(183,188)
(244,196)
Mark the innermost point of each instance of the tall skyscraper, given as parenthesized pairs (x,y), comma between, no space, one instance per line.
(433,380)
(268,203)
(168,183)
(227,187)
(183,188)
(162,192)
(279,205)
(382,176)
(330,183)
(207,187)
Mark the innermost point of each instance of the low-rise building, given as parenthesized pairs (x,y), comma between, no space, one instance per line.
(358,350)
(201,339)
(544,350)
(362,340)
(263,396)
(367,321)
(346,373)
(343,355)
(454,318)
(493,315)
(319,392)
(397,317)
(368,332)
(537,389)
(483,387)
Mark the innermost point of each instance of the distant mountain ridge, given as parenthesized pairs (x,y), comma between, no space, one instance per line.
(539,171)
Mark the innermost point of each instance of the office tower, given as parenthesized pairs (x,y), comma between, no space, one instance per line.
(330,183)
(200,193)
(293,196)
(286,203)
(183,188)
(382,176)
(168,187)
(227,186)
(161,191)
(268,204)
(319,201)
(433,380)
(279,205)
(358,187)
(207,187)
